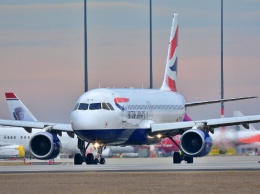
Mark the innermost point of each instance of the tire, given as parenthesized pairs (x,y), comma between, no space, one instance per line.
(189,159)
(95,161)
(102,161)
(176,158)
(90,158)
(77,159)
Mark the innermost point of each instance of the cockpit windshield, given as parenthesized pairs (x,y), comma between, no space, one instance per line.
(83,106)
(93,106)
(75,107)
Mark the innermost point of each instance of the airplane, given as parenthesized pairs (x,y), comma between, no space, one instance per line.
(9,146)
(120,117)
(237,136)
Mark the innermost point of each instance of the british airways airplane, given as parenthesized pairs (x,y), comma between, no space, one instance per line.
(122,117)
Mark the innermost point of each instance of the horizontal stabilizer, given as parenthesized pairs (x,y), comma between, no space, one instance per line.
(189,104)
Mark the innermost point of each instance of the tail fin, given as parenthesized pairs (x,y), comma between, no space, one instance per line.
(18,110)
(170,76)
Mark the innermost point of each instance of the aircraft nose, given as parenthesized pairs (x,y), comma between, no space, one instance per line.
(82,120)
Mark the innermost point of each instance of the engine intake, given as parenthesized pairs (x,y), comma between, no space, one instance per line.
(196,143)
(45,145)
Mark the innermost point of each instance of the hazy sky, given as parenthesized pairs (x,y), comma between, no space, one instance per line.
(42,47)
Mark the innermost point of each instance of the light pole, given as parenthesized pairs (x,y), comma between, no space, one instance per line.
(151,52)
(85,46)
(222,65)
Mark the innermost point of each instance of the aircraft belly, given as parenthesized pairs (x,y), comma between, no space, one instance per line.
(117,136)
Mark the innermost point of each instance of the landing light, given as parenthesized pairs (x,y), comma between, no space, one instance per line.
(159,136)
(96,145)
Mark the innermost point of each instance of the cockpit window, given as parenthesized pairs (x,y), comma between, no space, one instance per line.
(75,107)
(83,106)
(95,106)
(110,106)
(105,106)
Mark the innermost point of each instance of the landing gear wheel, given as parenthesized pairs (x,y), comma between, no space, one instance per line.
(90,158)
(189,159)
(95,161)
(176,158)
(102,161)
(78,159)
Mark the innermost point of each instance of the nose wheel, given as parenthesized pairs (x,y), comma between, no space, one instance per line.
(79,158)
(99,159)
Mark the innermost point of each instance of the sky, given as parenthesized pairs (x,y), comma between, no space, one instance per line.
(42,51)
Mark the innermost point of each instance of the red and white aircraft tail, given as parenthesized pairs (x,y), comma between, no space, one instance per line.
(170,75)
(18,110)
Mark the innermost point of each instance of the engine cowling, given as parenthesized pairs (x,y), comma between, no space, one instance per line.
(196,143)
(45,146)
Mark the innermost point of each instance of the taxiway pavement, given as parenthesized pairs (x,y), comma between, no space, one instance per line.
(210,163)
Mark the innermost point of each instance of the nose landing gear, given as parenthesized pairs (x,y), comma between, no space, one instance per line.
(79,158)
(99,159)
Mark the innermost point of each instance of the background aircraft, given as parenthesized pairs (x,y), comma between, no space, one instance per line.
(11,146)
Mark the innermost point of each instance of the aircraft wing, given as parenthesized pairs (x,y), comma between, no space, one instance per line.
(209,125)
(38,125)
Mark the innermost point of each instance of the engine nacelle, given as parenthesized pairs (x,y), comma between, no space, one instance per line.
(196,143)
(45,146)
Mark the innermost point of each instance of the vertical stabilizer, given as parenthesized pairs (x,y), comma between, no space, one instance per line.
(18,110)
(170,76)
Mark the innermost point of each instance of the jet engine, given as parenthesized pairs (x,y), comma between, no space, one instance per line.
(45,145)
(196,143)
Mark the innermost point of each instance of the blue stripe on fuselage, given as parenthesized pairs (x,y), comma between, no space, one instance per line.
(112,136)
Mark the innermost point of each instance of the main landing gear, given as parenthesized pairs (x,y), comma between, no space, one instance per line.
(178,157)
(79,158)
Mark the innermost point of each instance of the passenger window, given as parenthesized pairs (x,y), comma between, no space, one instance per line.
(75,107)
(105,106)
(83,106)
(110,106)
(95,106)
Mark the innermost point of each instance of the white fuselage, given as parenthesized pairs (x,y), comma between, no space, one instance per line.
(128,121)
